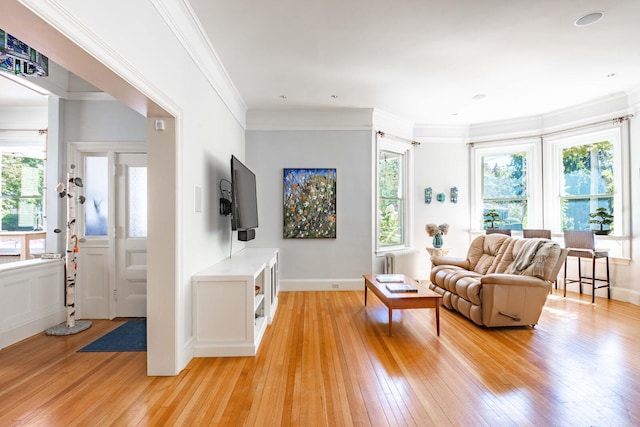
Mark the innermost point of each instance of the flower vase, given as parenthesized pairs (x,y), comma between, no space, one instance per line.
(437,241)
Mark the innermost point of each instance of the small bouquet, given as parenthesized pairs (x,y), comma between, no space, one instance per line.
(433,230)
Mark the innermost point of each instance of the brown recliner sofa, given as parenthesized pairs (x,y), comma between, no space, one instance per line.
(503,281)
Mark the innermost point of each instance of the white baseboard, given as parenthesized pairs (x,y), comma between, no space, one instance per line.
(322,285)
(32,327)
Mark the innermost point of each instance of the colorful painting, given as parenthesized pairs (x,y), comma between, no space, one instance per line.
(309,204)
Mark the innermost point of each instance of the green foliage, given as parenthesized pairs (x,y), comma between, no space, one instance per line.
(491,217)
(12,186)
(390,215)
(601,217)
(589,183)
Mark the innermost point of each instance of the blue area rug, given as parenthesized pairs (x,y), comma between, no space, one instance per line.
(132,336)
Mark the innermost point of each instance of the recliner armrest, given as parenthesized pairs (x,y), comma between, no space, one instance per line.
(513,280)
(446,260)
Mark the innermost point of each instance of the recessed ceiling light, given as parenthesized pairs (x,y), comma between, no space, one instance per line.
(283,96)
(334,96)
(589,19)
(479,96)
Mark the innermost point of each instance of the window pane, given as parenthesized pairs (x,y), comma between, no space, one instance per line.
(137,192)
(96,192)
(588,183)
(513,214)
(22,186)
(391,224)
(588,169)
(390,167)
(390,199)
(575,212)
(504,176)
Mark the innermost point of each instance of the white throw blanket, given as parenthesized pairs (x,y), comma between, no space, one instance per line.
(531,258)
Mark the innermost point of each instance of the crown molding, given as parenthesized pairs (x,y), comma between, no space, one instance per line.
(55,14)
(181,18)
(333,119)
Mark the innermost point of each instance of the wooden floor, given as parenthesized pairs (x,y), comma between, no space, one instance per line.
(327,360)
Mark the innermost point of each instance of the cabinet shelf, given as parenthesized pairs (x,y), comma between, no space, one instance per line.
(229,317)
(259,299)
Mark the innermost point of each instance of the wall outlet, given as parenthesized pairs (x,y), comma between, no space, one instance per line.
(335,286)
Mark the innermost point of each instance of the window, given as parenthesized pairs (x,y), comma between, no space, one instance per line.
(504,188)
(96,190)
(505,180)
(580,173)
(391,211)
(393,203)
(22,187)
(588,172)
(586,183)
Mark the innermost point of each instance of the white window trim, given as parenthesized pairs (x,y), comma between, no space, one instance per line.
(619,242)
(406,149)
(553,156)
(532,147)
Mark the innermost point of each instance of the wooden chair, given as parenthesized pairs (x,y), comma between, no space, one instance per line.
(581,244)
(529,233)
(498,231)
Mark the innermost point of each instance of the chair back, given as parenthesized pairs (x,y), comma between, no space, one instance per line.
(579,240)
(498,231)
(529,233)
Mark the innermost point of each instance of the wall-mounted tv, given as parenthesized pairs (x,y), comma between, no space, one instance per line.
(244,201)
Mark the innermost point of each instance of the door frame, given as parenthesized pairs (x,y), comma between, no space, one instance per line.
(75,154)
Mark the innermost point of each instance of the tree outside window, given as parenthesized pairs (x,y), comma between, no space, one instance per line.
(22,187)
(391,200)
(588,182)
(504,188)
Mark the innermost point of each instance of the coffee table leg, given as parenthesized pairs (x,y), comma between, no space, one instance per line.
(438,318)
(365,294)
(390,320)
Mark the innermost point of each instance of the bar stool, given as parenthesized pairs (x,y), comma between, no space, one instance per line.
(581,244)
(498,231)
(529,233)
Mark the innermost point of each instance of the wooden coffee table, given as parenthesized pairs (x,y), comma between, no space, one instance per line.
(424,298)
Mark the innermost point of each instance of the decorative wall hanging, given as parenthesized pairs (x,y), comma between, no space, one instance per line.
(454,194)
(428,195)
(18,58)
(309,204)
(441,197)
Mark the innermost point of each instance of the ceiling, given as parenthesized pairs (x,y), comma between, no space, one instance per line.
(425,60)
(13,93)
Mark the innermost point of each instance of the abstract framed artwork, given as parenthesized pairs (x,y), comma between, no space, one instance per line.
(309,203)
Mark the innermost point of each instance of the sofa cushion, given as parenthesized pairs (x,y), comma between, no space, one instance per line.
(483,252)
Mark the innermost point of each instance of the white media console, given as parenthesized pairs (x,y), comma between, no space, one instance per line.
(233,302)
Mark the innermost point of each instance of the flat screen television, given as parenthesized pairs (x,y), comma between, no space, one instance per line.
(244,201)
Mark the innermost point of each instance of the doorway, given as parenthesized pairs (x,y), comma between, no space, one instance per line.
(112,224)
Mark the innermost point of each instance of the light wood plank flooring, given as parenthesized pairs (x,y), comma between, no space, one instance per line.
(327,360)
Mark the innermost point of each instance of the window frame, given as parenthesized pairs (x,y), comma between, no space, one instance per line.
(405,150)
(553,157)
(532,148)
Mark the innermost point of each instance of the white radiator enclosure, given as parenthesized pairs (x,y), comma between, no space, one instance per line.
(406,261)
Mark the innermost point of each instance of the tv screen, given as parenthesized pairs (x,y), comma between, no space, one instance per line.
(244,203)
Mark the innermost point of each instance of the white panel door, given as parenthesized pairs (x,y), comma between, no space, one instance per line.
(131,235)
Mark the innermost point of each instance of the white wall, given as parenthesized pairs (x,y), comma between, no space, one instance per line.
(316,263)
(441,166)
(102,121)
(206,132)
